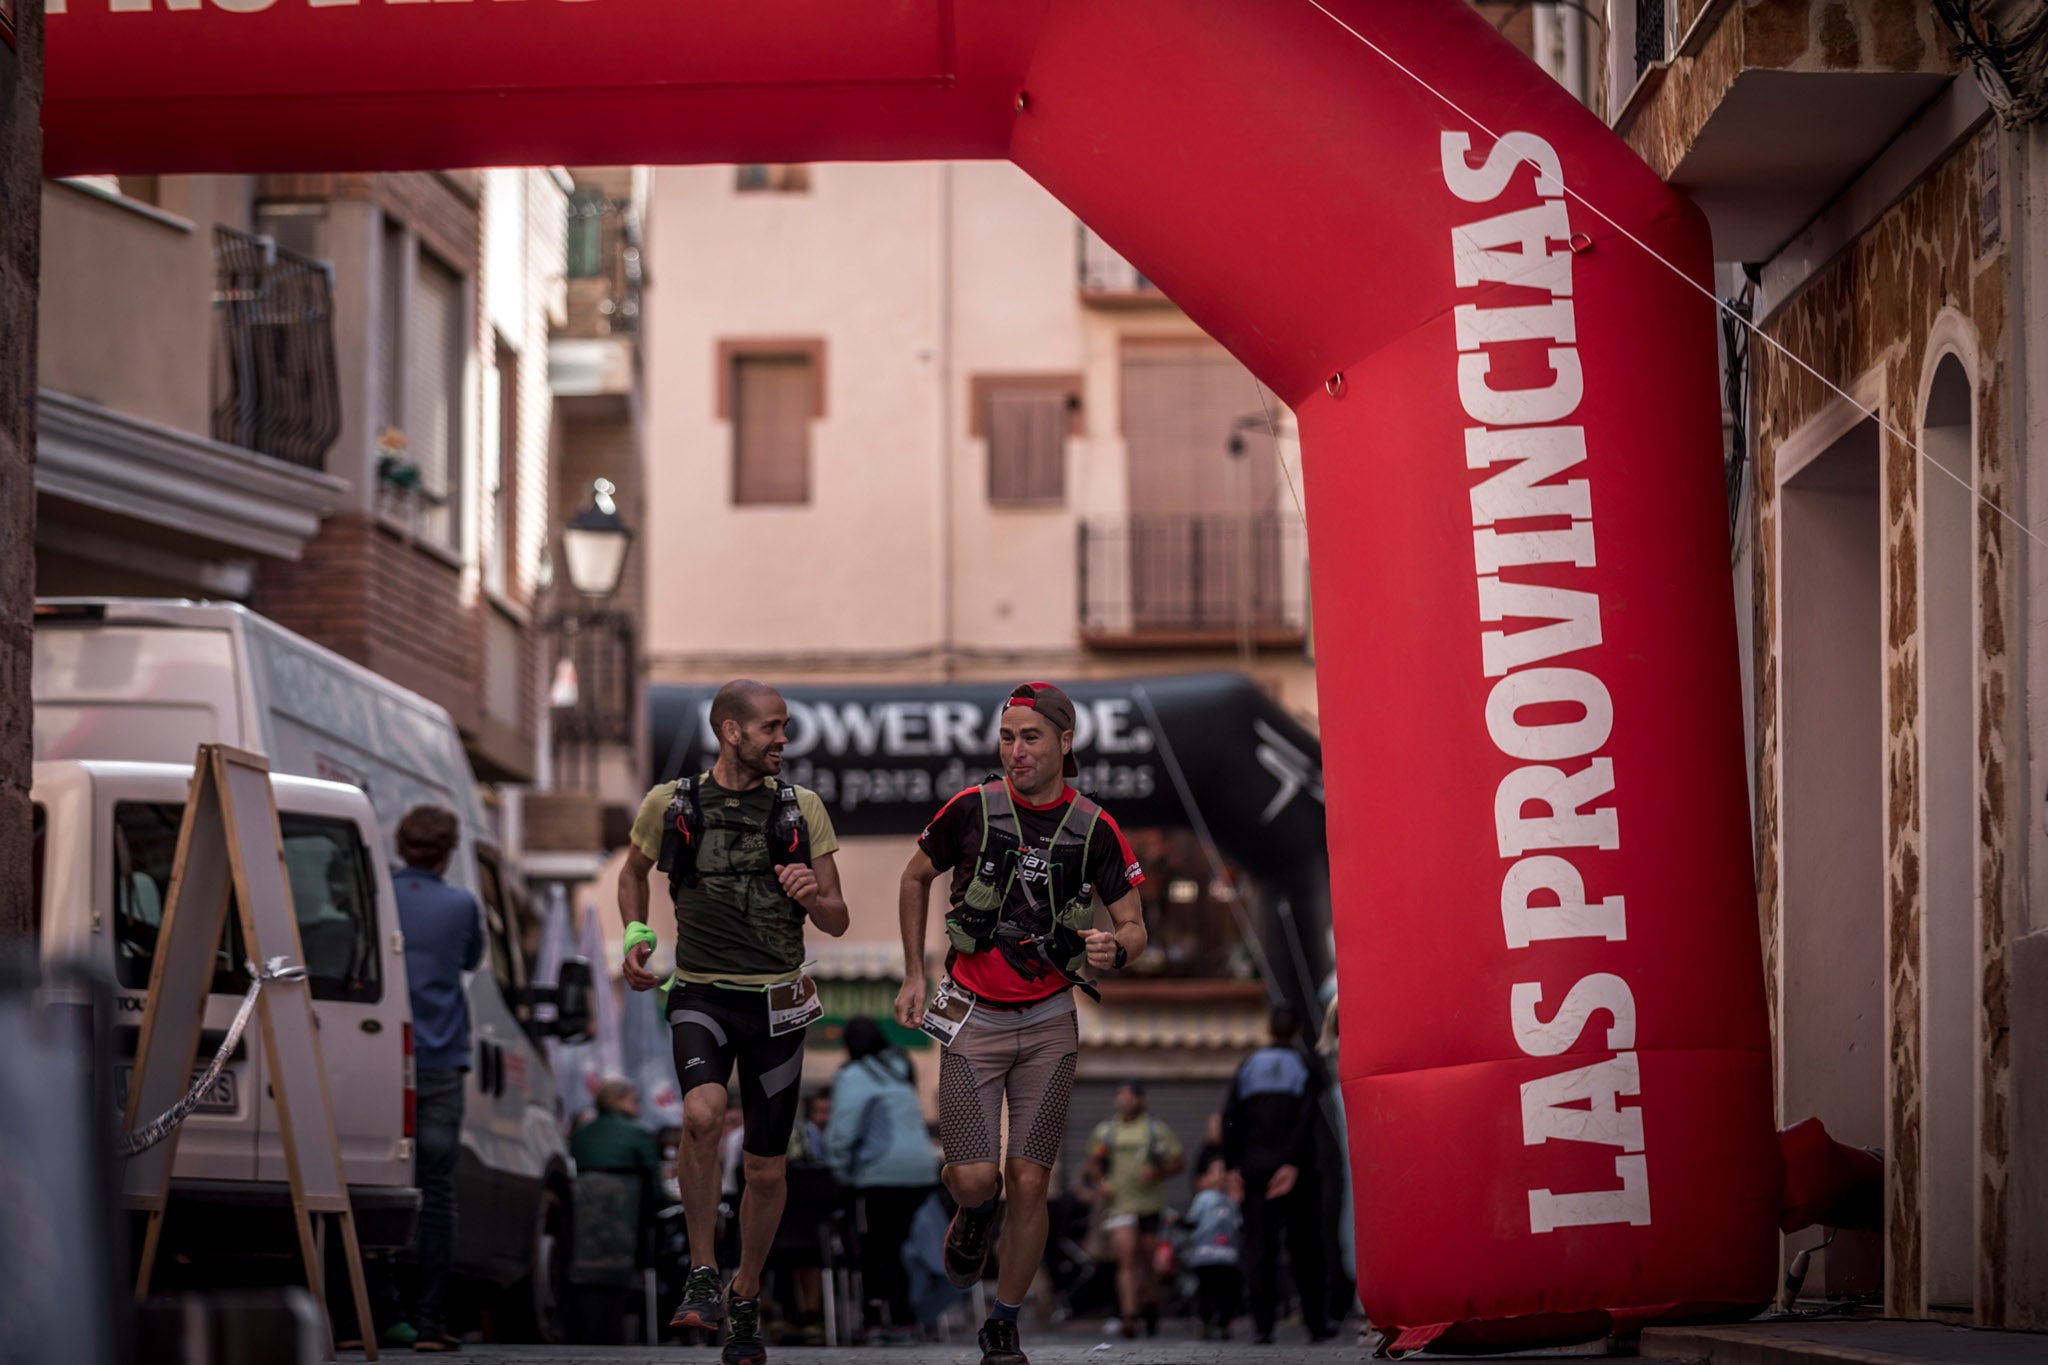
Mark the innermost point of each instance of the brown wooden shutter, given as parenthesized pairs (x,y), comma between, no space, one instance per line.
(1202,547)
(1027,444)
(772,399)
(434,393)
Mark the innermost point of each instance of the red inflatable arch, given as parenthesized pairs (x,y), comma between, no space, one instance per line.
(1555,1052)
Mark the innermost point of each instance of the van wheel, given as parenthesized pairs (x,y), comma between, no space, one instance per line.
(537,1307)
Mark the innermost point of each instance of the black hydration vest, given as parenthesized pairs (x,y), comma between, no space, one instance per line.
(984,916)
(789,835)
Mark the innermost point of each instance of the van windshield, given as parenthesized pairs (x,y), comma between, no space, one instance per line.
(329,870)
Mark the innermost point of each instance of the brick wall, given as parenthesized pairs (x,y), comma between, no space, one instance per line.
(363,591)
(21,153)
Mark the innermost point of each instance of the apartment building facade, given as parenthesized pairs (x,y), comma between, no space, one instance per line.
(913,425)
(1888,437)
(322,395)
(597,743)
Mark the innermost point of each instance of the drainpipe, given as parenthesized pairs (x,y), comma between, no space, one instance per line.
(943,363)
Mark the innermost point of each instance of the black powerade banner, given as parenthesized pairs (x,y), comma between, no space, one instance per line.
(885,758)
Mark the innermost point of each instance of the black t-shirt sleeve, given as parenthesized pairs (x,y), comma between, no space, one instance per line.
(1112,866)
(946,839)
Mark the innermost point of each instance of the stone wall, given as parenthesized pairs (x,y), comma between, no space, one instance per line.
(21,159)
(1870,314)
(1775,35)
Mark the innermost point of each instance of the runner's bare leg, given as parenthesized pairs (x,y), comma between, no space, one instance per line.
(697,1169)
(1024,1221)
(760,1215)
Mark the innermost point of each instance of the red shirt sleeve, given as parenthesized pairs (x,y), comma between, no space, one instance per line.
(944,840)
(1112,866)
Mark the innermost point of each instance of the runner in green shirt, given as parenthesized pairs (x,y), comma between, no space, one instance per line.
(749,859)
(1132,1154)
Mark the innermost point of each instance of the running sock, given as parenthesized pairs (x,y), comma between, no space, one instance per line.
(1005,1312)
(987,1205)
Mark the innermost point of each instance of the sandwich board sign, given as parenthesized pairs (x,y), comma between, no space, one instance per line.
(230,842)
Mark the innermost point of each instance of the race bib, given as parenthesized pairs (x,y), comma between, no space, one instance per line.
(949,1010)
(793,1005)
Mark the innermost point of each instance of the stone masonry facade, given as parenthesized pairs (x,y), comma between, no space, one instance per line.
(21,156)
(1872,313)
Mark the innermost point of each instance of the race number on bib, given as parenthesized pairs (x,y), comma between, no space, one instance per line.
(947,1012)
(793,1005)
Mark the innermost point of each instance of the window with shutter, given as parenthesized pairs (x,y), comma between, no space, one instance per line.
(1026,421)
(388,353)
(1198,501)
(773,399)
(433,396)
(794,178)
(501,464)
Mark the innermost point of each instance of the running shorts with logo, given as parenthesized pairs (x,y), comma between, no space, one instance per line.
(1025,1054)
(713,1027)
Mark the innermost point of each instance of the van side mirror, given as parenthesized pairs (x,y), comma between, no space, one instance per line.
(573,987)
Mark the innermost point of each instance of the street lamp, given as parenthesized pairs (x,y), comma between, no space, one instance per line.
(594,544)
(593,694)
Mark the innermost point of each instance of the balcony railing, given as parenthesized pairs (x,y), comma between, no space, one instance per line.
(274,376)
(1195,580)
(1649,34)
(1106,277)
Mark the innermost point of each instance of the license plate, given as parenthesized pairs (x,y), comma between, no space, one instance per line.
(220,1097)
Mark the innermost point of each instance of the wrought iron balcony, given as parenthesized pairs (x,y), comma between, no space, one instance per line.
(1106,279)
(275,386)
(1207,580)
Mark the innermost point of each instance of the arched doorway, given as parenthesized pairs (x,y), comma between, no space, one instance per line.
(1949,1008)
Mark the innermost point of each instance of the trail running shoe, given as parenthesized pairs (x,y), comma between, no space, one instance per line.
(999,1344)
(743,1343)
(700,1307)
(967,1238)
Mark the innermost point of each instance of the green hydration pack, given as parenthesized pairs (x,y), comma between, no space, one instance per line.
(1053,934)
(789,834)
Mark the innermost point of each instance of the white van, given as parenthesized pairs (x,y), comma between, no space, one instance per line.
(106,837)
(146,681)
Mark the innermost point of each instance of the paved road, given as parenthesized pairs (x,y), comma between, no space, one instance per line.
(1058,1346)
(1043,1351)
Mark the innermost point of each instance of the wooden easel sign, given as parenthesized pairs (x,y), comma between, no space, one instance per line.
(230,841)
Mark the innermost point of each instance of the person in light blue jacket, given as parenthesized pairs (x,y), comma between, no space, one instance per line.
(881,1150)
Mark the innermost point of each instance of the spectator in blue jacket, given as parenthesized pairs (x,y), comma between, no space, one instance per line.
(444,937)
(880,1149)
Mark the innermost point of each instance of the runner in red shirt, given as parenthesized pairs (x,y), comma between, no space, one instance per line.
(1030,858)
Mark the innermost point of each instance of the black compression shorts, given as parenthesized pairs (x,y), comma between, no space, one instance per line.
(711,1028)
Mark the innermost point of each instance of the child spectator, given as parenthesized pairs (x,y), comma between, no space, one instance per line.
(1213,1223)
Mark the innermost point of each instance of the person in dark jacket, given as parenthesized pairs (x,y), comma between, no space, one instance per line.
(444,937)
(1269,1137)
(881,1150)
(612,1216)
(615,1142)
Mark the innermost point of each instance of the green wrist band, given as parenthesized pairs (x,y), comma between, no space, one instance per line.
(638,933)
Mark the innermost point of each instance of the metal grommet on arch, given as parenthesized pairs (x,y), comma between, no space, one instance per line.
(1334,385)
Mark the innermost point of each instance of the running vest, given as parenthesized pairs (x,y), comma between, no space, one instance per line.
(789,835)
(986,912)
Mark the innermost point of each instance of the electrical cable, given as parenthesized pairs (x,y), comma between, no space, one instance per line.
(1689,281)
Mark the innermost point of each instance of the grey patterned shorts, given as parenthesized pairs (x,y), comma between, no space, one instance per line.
(1028,1054)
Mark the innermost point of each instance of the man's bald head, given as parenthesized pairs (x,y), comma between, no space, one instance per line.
(740,700)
